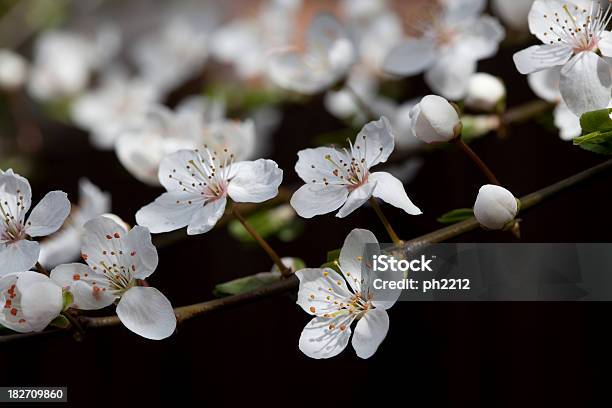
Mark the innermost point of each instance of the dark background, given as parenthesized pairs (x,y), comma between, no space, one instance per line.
(436,354)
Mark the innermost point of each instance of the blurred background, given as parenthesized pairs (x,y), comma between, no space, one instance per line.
(436,354)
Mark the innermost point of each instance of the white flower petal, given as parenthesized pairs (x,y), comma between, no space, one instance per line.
(479,39)
(18,256)
(605,44)
(391,190)
(170,211)
(352,256)
(375,142)
(90,290)
(49,214)
(143,254)
(539,57)
(357,198)
(206,216)
(254,181)
(411,57)
(567,122)
(461,10)
(585,83)
(312,164)
(314,294)
(545,84)
(450,74)
(147,312)
(41,302)
(317,198)
(324,338)
(14,189)
(370,331)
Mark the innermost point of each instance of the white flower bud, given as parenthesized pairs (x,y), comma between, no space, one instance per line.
(13,70)
(434,119)
(484,92)
(495,207)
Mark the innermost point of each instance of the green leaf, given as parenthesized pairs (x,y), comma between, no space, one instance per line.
(68,299)
(598,120)
(280,221)
(61,322)
(597,142)
(333,255)
(247,283)
(457,215)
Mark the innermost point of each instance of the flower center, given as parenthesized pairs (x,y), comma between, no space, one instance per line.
(209,175)
(579,28)
(12,227)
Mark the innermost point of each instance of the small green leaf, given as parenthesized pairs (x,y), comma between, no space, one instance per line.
(598,120)
(68,299)
(457,215)
(61,322)
(246,284)
(333,255)
(280,221)
(597,142)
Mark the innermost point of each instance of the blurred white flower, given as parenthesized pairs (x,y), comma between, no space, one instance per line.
(13,70)
(572,34)
(117,103)
(65,245)
(336,300)
(343,104)
(63,62)
(116,258)
(326,60)
(485,92)
(341,178)
(199,182)
(245,43)
(197,122)
(174,53)
(435,120)
(29,301)
(449,47)
(17,252)
(513,13)
(495,207)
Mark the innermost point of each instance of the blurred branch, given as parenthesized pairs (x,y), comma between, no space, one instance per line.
(291,283)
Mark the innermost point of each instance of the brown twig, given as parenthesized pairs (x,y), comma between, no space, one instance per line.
(394,237)
(477,160)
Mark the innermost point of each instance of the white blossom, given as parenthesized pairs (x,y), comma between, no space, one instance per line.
(513,13)
(13,70)
(199,183)
(485,92)
(116,259)
(117,103)
(17,252)
(29,301)
(336,300)
(448,48)
(573,36)
(326,60)
(341,179)
(495,207)
(435,120)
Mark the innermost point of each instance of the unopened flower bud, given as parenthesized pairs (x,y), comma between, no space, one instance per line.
(495,207)
(434,119)
(485,92)
(13,70)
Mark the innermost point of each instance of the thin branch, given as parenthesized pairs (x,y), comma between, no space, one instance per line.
(477,160)
(392,234)
(291,283)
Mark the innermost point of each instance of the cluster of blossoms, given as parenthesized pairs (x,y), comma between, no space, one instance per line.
(206,160)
